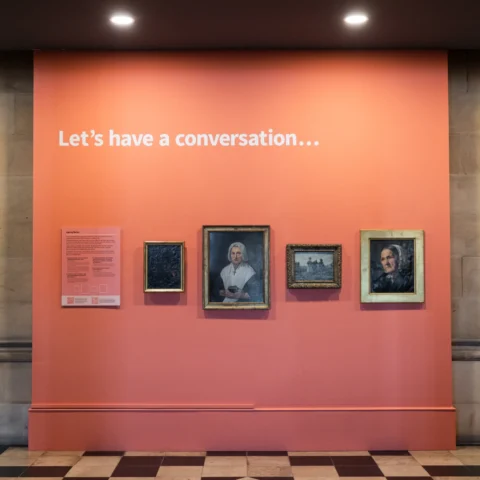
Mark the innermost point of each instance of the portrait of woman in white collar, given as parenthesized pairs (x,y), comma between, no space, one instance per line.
(239,282)
(236,267)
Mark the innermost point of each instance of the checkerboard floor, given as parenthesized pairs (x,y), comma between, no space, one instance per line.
(398,465)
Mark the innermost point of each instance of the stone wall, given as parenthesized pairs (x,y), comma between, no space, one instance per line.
(16,175)
(464,103)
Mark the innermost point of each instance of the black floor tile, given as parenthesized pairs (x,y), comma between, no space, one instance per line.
(405,453)
(474,470)
(135,471)
(358,471)
(449,471)
(310,461)
(12,471)
(183,461)
(45,471)
(140,460)
(408,478)
(95,453)
(268,454)
(3,448)
(226,454)
(353,460)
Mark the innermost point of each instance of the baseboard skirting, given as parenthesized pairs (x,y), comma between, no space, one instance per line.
(42,408)
(188,429)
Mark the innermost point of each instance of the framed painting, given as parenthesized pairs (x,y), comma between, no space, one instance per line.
(236,267)
(164,266)
(314,266)
(392,266)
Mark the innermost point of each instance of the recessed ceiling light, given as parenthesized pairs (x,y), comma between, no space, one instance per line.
(356,18)
(122,20)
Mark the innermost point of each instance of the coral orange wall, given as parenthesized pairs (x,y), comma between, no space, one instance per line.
(317,371)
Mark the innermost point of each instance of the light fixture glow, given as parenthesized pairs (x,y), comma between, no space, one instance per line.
(356,19)
(122,20)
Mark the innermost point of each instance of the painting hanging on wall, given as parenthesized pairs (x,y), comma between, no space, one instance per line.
(236,267)
(314,266)
(392,266)
(164,266)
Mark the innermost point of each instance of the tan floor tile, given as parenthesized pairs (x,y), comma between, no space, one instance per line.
(224,470)
(466,451)
(326,478)
(63,453)
(436,458)
(404,471)
(20,452)
(98,461)
(268,471)
(469,459)
(361,478)
(330,478)
(314,471)
(94,467)
(180,478)
(429,452)
(185,454)
(16,462)
(186,472)
(225,462)
(268,461)
(456,478)
(91,471)
(329,454)
(51,461)
(144,454)
(393,460)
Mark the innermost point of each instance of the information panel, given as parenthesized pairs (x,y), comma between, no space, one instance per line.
(90,267)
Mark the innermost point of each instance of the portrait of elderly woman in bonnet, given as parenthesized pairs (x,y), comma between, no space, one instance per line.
(397,274)
(238,281)
(236,267)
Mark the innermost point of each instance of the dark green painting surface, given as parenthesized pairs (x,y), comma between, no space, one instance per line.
(164,266)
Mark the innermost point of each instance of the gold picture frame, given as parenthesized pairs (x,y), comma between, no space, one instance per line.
(392,266)
(236,267)
(164,266)
(314,266)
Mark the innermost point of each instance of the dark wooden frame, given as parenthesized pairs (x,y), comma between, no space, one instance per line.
(336,249)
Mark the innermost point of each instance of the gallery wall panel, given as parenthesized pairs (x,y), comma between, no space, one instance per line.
(378,159)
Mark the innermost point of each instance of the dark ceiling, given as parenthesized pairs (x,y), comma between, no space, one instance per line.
(263,24)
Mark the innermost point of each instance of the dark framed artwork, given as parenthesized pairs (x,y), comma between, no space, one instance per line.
(164,266)
(392,266)
(314,266)
(236,267)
